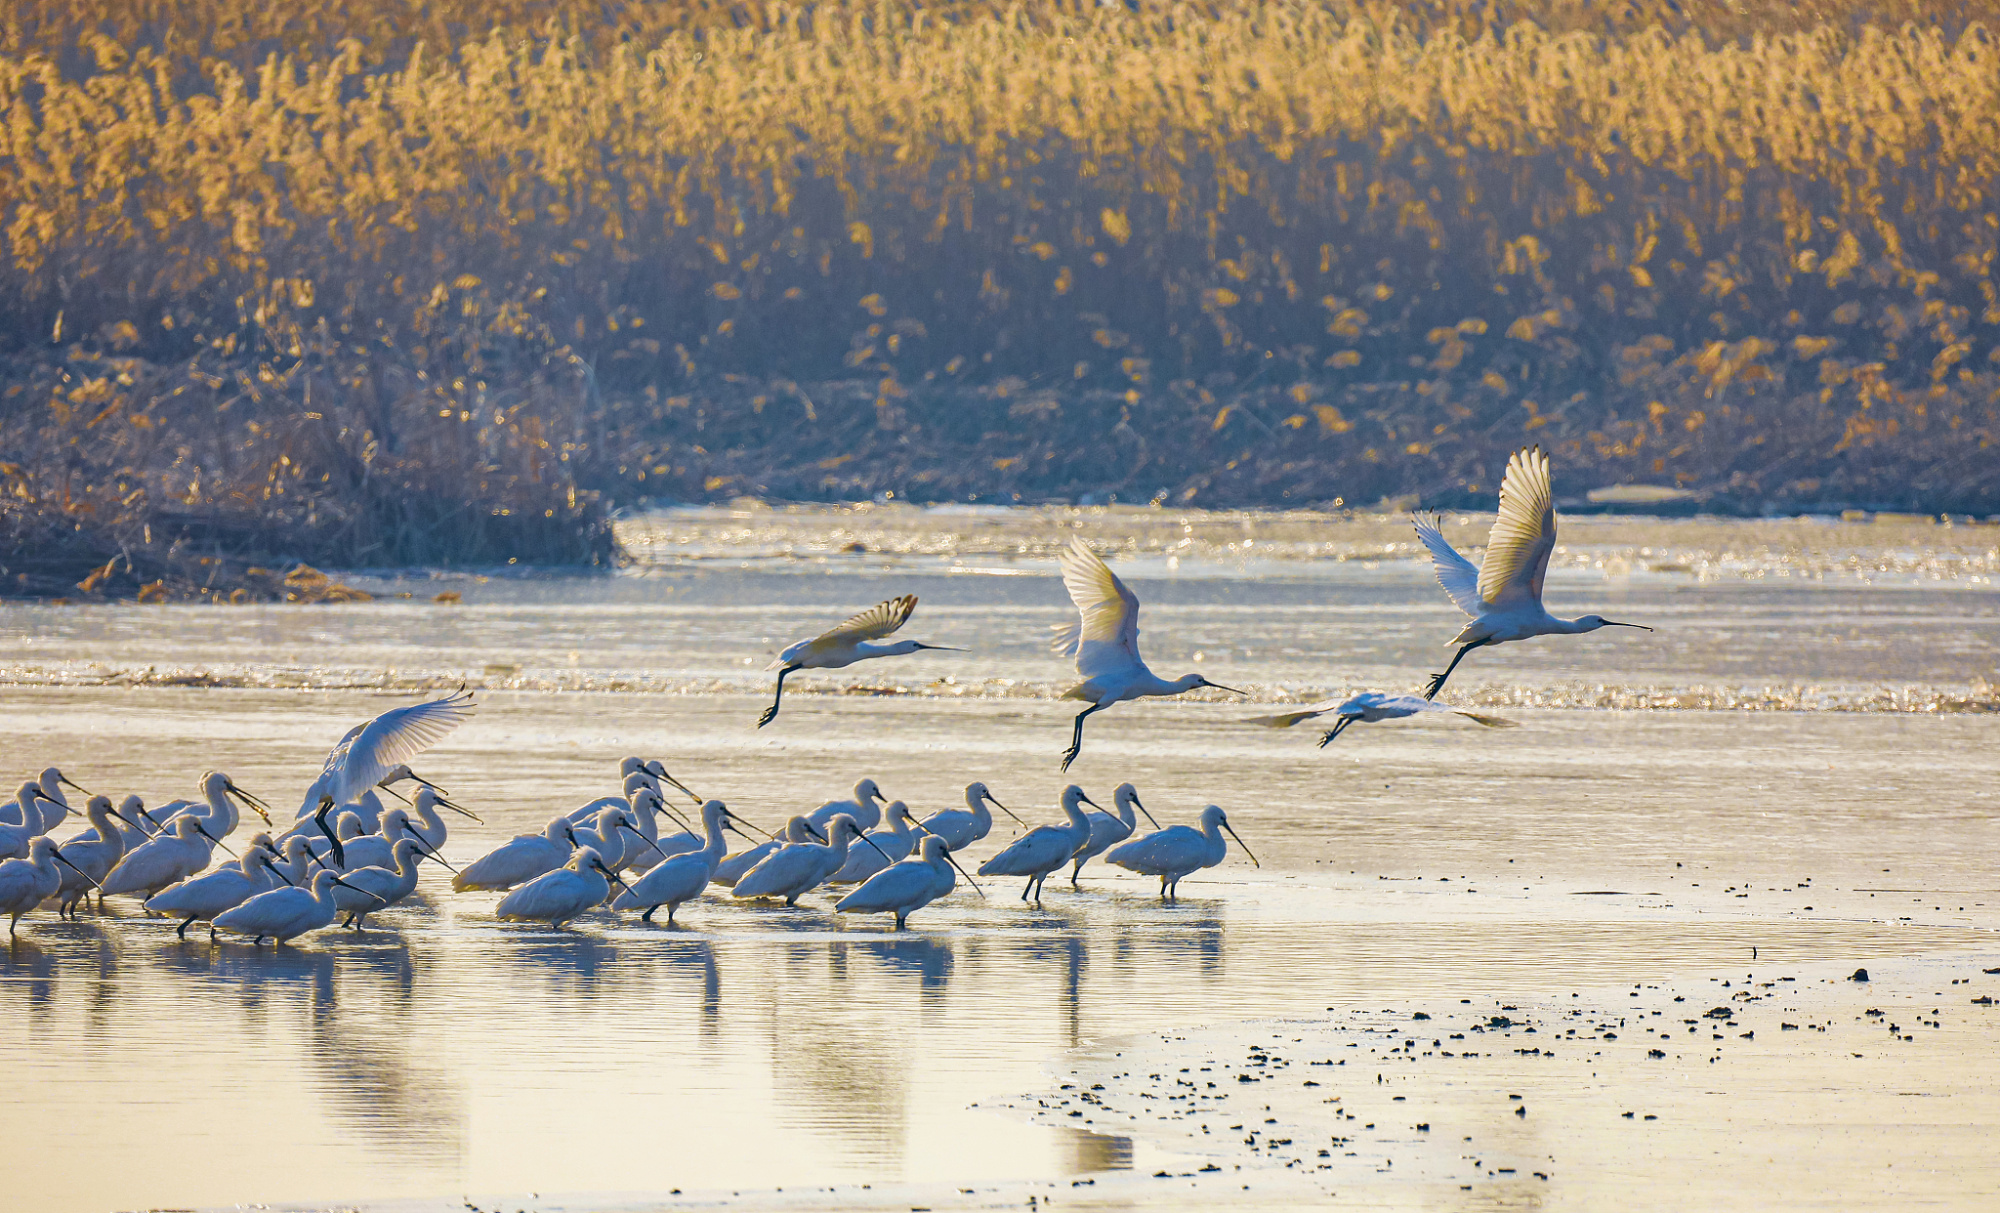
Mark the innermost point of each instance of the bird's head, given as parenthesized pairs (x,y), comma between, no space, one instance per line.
(1126,794)
(1190,682)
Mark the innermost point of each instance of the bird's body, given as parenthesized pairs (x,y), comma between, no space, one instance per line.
(1503,594)
(370,753)
(284,914)
(960,828)
(1109,829)
(91,854)
(646,805)
(429,827)
(1105,642)
(205,896)
(612,834)
(28,882)
(680,877)
(16,836)
(855,639)
(559,896)
(377,887)
(376,850)
(733,867)
(865,808)
(799,867)
(346,828)
(905,886)
(1177,850)
(893,842)
(1372,707)
(298,860)
(163,860)
(217,809)
(55,805)
(518,861)
(1045,848)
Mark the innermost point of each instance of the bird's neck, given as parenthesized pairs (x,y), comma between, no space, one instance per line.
(1573,627)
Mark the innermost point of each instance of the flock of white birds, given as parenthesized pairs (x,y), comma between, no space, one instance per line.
(347,855)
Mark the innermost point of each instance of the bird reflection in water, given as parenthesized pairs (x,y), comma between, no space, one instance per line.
(930,959)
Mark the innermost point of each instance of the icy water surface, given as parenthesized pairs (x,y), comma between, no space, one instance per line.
(1586,852)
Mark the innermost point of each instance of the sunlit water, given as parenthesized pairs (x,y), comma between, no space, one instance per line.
(445,1053)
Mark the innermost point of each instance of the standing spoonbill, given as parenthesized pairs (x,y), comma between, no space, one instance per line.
(557,897)
(524,858)
(851,641)
(433,832)
(680,877)
(27,883)
(1108,830)
(203,897)
(1177,850)
(892,843)
(800,867)
(1504,594)
(91,854)
(734,867)
(907,885)
(55,805)
(1372,707)
(1105,642)
(960,828)
(372,752)
(15,838)
(865,808)
(378,887)
(283,914)
(1045,848)
(159,862)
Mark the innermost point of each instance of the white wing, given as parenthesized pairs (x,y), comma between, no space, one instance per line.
(872,624)
(366,754)
(1517,553)
(1454,572)
(1285,720)
(1106,639)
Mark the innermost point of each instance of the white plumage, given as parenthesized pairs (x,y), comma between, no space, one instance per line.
(906,886)
(1045,848)
(892,842)
(1177,850)
(559,896)
(850,641)
(681,877)
(865,808)
(1504,593)
(799,867)
(960,828)
(205,896)
(369,752)
(161,861)
(284,914)
(1109,829)
(27,883)
(91,854)
(733,867)
(524,858)
(1372,707)
(365,890)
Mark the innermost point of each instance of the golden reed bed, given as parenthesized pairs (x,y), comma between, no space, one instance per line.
(1228,252)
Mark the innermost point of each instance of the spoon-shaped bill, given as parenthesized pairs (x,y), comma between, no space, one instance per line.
(664,774)
(217,841)
(61,778)
(1613,623)
(634,832)
(962,872)
(263,810)
(456,808)
(430,853)
(995,802)
(60,858)
(1218,686)
(1142,808)
(1239,842)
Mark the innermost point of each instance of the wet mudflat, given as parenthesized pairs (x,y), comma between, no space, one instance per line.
(1573,877)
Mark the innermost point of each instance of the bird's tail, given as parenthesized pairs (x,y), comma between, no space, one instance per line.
(1491,722)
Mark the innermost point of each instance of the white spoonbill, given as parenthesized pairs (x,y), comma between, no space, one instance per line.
(960,828)
(558,896)
(893,842)
(433,830)
(1504,594)
(907,885)
(681,877)
(16,837)
(283,914)
(376,850)
(1105,642)
(164,860)
(91,855)
(371,752)
(523,859)
(217,811)
(1372,707)
(27,883)
(378,887)
(733,867)
(1177,850)
(800,867)
(333,848)
(865,808)
(1045,848)
(851,641)
(1109,829)
(55,805)
(205,896)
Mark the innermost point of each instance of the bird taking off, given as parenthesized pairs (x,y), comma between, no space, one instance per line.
(1504,593)
(852,641)
(1105,642)
(370,753)
(1369,707)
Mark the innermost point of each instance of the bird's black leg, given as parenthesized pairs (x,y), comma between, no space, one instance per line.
(182,930)
(1437,680)
(771,713)
(650,911)
(1339,727)
(1076,738)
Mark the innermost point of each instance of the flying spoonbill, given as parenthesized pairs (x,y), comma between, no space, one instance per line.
(1504,594)
(558,896)
(680,877)
(1105,642)
(961,828)
(907,885)
(284,914)
(1045,848)
(851,641)
(1371,707)
(1109,829)
(372,752)
(27,883)
(1177,850)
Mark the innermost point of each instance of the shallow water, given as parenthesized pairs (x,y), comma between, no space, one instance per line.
(753,1049)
